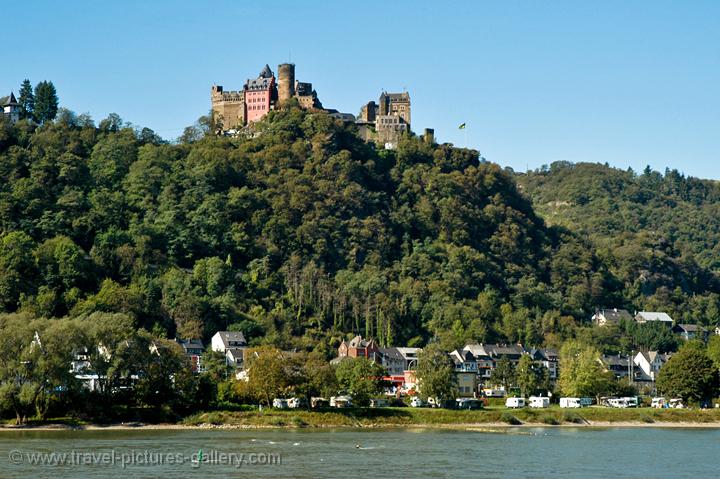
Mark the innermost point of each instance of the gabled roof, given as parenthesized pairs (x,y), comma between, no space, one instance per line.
(615,360)
(613,315)
(190,343)
(391,353)
(643,316)
(650,356)
(359,342)
(236,354)
(231,336)
(409,353)
(9,100)
(688,328)
(548,354)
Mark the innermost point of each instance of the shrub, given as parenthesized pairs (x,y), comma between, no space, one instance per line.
(647,419)
(277,421)
(510,419)
(571,416)
(297,421)
(550,420)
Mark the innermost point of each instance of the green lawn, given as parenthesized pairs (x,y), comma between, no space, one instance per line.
(366,417)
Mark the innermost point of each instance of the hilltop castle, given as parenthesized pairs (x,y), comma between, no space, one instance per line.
(383,122)
(234,109)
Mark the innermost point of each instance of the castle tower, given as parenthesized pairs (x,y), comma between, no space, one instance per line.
(286,82)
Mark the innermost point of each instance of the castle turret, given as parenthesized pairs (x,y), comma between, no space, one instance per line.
(286,82)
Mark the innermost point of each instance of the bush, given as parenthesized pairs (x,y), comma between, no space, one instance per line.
(277,421)
(573,417)
(297,421)
(550,420)
(647,419)
(510,419)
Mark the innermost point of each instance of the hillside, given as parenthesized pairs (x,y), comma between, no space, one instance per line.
(658,234)
(297,237)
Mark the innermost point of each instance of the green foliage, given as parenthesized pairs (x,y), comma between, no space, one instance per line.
(508,418)
(361,378)
(45,105)
(713,350)
(689,374)
(581,373)
(435,375)
(530,377)
(305,233)
(656,235)
(26,99)
(504,374)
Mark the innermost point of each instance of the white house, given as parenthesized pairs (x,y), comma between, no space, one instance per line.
(651,316)
(224,340)
(650,363)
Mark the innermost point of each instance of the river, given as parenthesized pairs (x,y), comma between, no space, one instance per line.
(518,453)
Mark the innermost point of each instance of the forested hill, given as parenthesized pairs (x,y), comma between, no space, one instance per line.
(659,234)
(297,237)
(305,234)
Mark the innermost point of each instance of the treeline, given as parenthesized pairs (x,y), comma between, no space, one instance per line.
(97,367)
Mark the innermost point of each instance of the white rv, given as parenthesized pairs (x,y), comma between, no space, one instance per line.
(570,403)
(538,402)
(515,403)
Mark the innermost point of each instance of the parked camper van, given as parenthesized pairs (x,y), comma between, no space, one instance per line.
(570,403)
(279,403)
(539,402)
(340,401)
(515,402)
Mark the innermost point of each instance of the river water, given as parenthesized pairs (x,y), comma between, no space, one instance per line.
(518,453)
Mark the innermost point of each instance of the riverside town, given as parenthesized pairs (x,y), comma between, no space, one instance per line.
(299,239)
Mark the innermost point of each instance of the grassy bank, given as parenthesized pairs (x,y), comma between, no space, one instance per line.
(385,417)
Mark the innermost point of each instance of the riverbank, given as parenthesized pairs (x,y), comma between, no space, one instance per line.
(492,418)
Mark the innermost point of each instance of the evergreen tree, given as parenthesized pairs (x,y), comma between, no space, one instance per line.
(46,102)
(26,99)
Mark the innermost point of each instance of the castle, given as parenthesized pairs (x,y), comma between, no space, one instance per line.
(383,122)
(233,110)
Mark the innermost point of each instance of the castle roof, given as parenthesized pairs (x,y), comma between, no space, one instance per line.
(266,72)
(8,100)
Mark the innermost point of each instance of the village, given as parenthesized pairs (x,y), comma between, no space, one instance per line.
(477,370)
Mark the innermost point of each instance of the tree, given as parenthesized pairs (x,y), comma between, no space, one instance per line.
(17,268)
(530,377)
(361,378)
(46,102)
(310,375)
(713,350)
(267,376)
(581,372)
(26,100)
(435,374)
(503,374)
(689,374)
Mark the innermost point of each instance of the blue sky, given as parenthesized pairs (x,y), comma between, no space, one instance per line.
(630,83)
